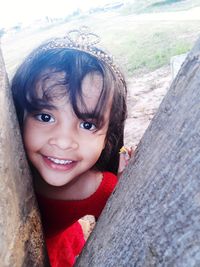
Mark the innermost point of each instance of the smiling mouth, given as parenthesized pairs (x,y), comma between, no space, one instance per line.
(60,161)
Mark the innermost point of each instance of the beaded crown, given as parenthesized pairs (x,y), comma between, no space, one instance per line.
(83,40)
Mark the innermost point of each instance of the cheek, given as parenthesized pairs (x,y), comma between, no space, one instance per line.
(27,138)
(94,150)
(30,136)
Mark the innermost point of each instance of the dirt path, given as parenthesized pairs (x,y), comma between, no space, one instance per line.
(145,94)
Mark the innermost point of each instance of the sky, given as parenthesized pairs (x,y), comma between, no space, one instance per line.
(25,11)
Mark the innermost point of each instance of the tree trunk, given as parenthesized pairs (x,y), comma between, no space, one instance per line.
(21,241)
(153,216)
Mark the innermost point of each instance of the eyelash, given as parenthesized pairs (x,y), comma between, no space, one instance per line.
(90,124)
(39,117)
(86,125)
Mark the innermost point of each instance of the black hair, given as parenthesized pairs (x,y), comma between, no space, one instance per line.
(40,65)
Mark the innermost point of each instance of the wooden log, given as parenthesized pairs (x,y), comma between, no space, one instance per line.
(153,216)
(21,240)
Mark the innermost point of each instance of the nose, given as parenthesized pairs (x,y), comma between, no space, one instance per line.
(64,138)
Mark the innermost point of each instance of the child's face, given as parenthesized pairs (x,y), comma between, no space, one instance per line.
(61,146)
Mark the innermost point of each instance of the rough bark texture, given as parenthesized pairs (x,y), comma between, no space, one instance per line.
(21,241)
(153,217)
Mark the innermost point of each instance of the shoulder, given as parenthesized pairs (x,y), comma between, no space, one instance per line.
(100,182)
(101,195)
(109,177)
(108,183)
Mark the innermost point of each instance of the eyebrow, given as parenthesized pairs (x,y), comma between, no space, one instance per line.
(46,106)
(100,120)
(92,115)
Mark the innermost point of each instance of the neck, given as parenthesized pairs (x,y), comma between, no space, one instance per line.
(79,188)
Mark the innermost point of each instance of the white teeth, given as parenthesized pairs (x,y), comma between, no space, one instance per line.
(60,161)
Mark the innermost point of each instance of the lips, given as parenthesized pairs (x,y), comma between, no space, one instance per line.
(59,164)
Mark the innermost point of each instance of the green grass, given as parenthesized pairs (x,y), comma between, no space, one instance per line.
(147,6)
(153,50)
(148,45)
(151,58)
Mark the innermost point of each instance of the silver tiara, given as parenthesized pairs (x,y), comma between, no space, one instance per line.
(83,40)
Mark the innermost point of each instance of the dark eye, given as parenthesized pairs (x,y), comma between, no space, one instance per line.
(44,117)
(88,125)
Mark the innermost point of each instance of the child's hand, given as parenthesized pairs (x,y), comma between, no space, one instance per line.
(125,155)
(87,223)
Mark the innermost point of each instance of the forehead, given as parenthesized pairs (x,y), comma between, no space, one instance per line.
(92,87)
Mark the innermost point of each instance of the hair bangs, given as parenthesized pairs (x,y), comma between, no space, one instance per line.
(80,106)
(50,86)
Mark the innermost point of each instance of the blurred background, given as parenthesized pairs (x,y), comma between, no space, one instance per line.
(143,35)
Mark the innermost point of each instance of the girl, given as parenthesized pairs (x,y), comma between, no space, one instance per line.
(70,100)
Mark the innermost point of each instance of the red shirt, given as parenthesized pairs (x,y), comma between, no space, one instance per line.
(63,234)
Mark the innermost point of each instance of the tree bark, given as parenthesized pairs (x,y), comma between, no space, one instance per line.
(21,240)
(153,216)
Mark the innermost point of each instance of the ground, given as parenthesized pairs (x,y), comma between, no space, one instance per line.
(145,93)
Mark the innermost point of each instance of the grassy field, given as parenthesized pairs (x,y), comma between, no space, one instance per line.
(146,6)
(138,45)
